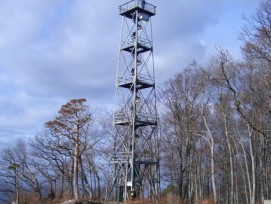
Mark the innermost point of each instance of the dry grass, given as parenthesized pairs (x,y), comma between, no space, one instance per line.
(170,198)
(208,201)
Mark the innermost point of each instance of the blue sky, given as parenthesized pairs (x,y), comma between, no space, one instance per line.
(52,51)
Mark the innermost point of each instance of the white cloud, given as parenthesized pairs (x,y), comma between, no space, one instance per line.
(52,51)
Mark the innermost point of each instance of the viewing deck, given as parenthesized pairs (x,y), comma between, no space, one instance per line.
(120,118)
(142,82)
(129,8)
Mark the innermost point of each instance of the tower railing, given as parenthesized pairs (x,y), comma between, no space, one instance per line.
(121,157)
(122,118)
(149,118)
(137,4)
(141,78)
(141,41)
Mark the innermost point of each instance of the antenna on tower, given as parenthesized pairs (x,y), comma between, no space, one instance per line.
(135,161)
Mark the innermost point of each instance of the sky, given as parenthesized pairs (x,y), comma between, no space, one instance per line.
(52,51)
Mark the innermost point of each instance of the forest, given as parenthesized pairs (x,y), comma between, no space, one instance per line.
(214,135)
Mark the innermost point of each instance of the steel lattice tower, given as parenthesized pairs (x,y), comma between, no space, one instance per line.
(135,162)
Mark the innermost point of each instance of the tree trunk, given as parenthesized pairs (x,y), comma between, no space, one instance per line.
(211,143)
(261,196)
(250,177)
(84,180)
(252,199)
(231,196)
(266,170)
(17,185)
(75,167)
(37,189)
(245,175)
(99,185)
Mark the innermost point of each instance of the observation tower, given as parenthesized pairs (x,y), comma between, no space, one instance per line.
(135,161)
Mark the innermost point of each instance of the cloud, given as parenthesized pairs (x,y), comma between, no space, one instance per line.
(185,31)
(178,28)
(70,53)
(53,51)
(182,19)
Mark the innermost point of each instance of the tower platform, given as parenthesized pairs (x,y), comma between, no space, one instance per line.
(128,9)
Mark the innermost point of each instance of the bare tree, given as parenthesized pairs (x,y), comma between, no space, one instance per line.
(72,124)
